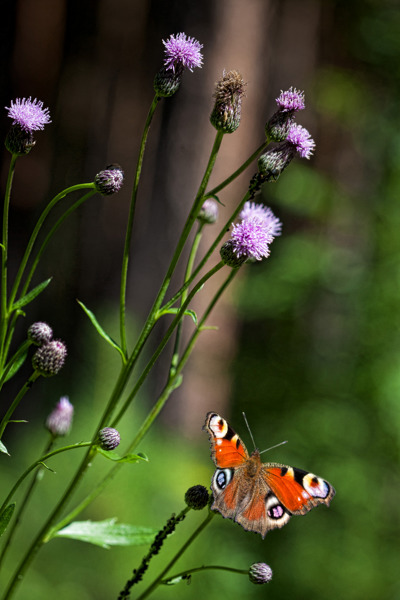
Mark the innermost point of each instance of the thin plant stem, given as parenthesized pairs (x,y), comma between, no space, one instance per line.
(128,237)
(4,259)
(188,572)
(38,462)
(24,504)
(214,191)
(177,556)
(25,388)
(14,360)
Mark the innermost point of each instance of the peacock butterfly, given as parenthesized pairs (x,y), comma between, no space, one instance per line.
(259,496)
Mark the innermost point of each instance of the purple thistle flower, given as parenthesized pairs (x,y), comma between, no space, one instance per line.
(251,238)
(59,420)
(28,114)
(182,51)
(291,100)
(265,214)
(301,140)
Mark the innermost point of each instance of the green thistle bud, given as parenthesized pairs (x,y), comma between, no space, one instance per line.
(229,255)
(274,161)
(260,573)
(110,180)
(109,438)
(19,141)
(40,333)
(197,497)
(49,358)
(167,82)
(228,95)
(209,212)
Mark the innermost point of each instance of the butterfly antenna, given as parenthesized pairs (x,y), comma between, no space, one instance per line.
(276,445)
(248,429)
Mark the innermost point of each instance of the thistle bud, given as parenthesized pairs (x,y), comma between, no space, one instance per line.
(40,333)
(273,162)
(197,497)
(109,438)
(18,141)
(167,82)
(59,420)
(110,180)
(228,95)
(49,358)
(260,573)
(209,212)
(289,102)
(229,256)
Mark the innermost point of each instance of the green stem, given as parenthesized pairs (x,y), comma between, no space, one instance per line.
(214,191)
(163,343)
(24,504)
(189,268)
(4,260)
(128,237)
(177,556)
(184,574)
(27,386)
(40,461)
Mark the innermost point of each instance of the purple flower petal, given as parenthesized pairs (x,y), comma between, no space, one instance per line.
(302,140)
(182,51)
(291,100)
(272,223)
(29,114)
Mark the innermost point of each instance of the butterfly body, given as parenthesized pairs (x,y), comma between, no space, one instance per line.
(259,496)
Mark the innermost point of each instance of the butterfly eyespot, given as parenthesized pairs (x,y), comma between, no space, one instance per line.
(275,510)
(315,486)
(218,426)
(222,477)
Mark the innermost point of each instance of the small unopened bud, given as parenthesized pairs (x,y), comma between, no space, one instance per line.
(110,180)
(109,438)
(229,255)
(40,333)
(19,141)
(278,127)
(59,420)
(260,573)
(209,212)
(49,358)
(274,161)
(228,95)
(197,497)
(167,82)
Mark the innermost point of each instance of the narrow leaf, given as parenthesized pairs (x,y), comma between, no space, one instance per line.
(108,533)
(100,330)
(3,448)
(129,458)
(174,311)
(5,517)
(31,295)
(16,366)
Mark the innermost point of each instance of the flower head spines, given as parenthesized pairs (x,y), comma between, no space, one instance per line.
(228,95)
(49,358)
(110,180)
(182,52)
(291,100)
(29,114)
(260,573)
(40,333)
(301,140)
(109,438)
(59,420)
(275,160)
(167,82)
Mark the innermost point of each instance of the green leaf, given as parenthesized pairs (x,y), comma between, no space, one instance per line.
(100,330)
(108,533)
(31,295)
(5,517)
(174,311)
(3,448)
(128,458)
(16,366)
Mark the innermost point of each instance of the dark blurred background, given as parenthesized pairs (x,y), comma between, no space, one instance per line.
(308,342)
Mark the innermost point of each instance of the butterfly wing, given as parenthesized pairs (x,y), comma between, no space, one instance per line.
(296,490)
(227,449)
